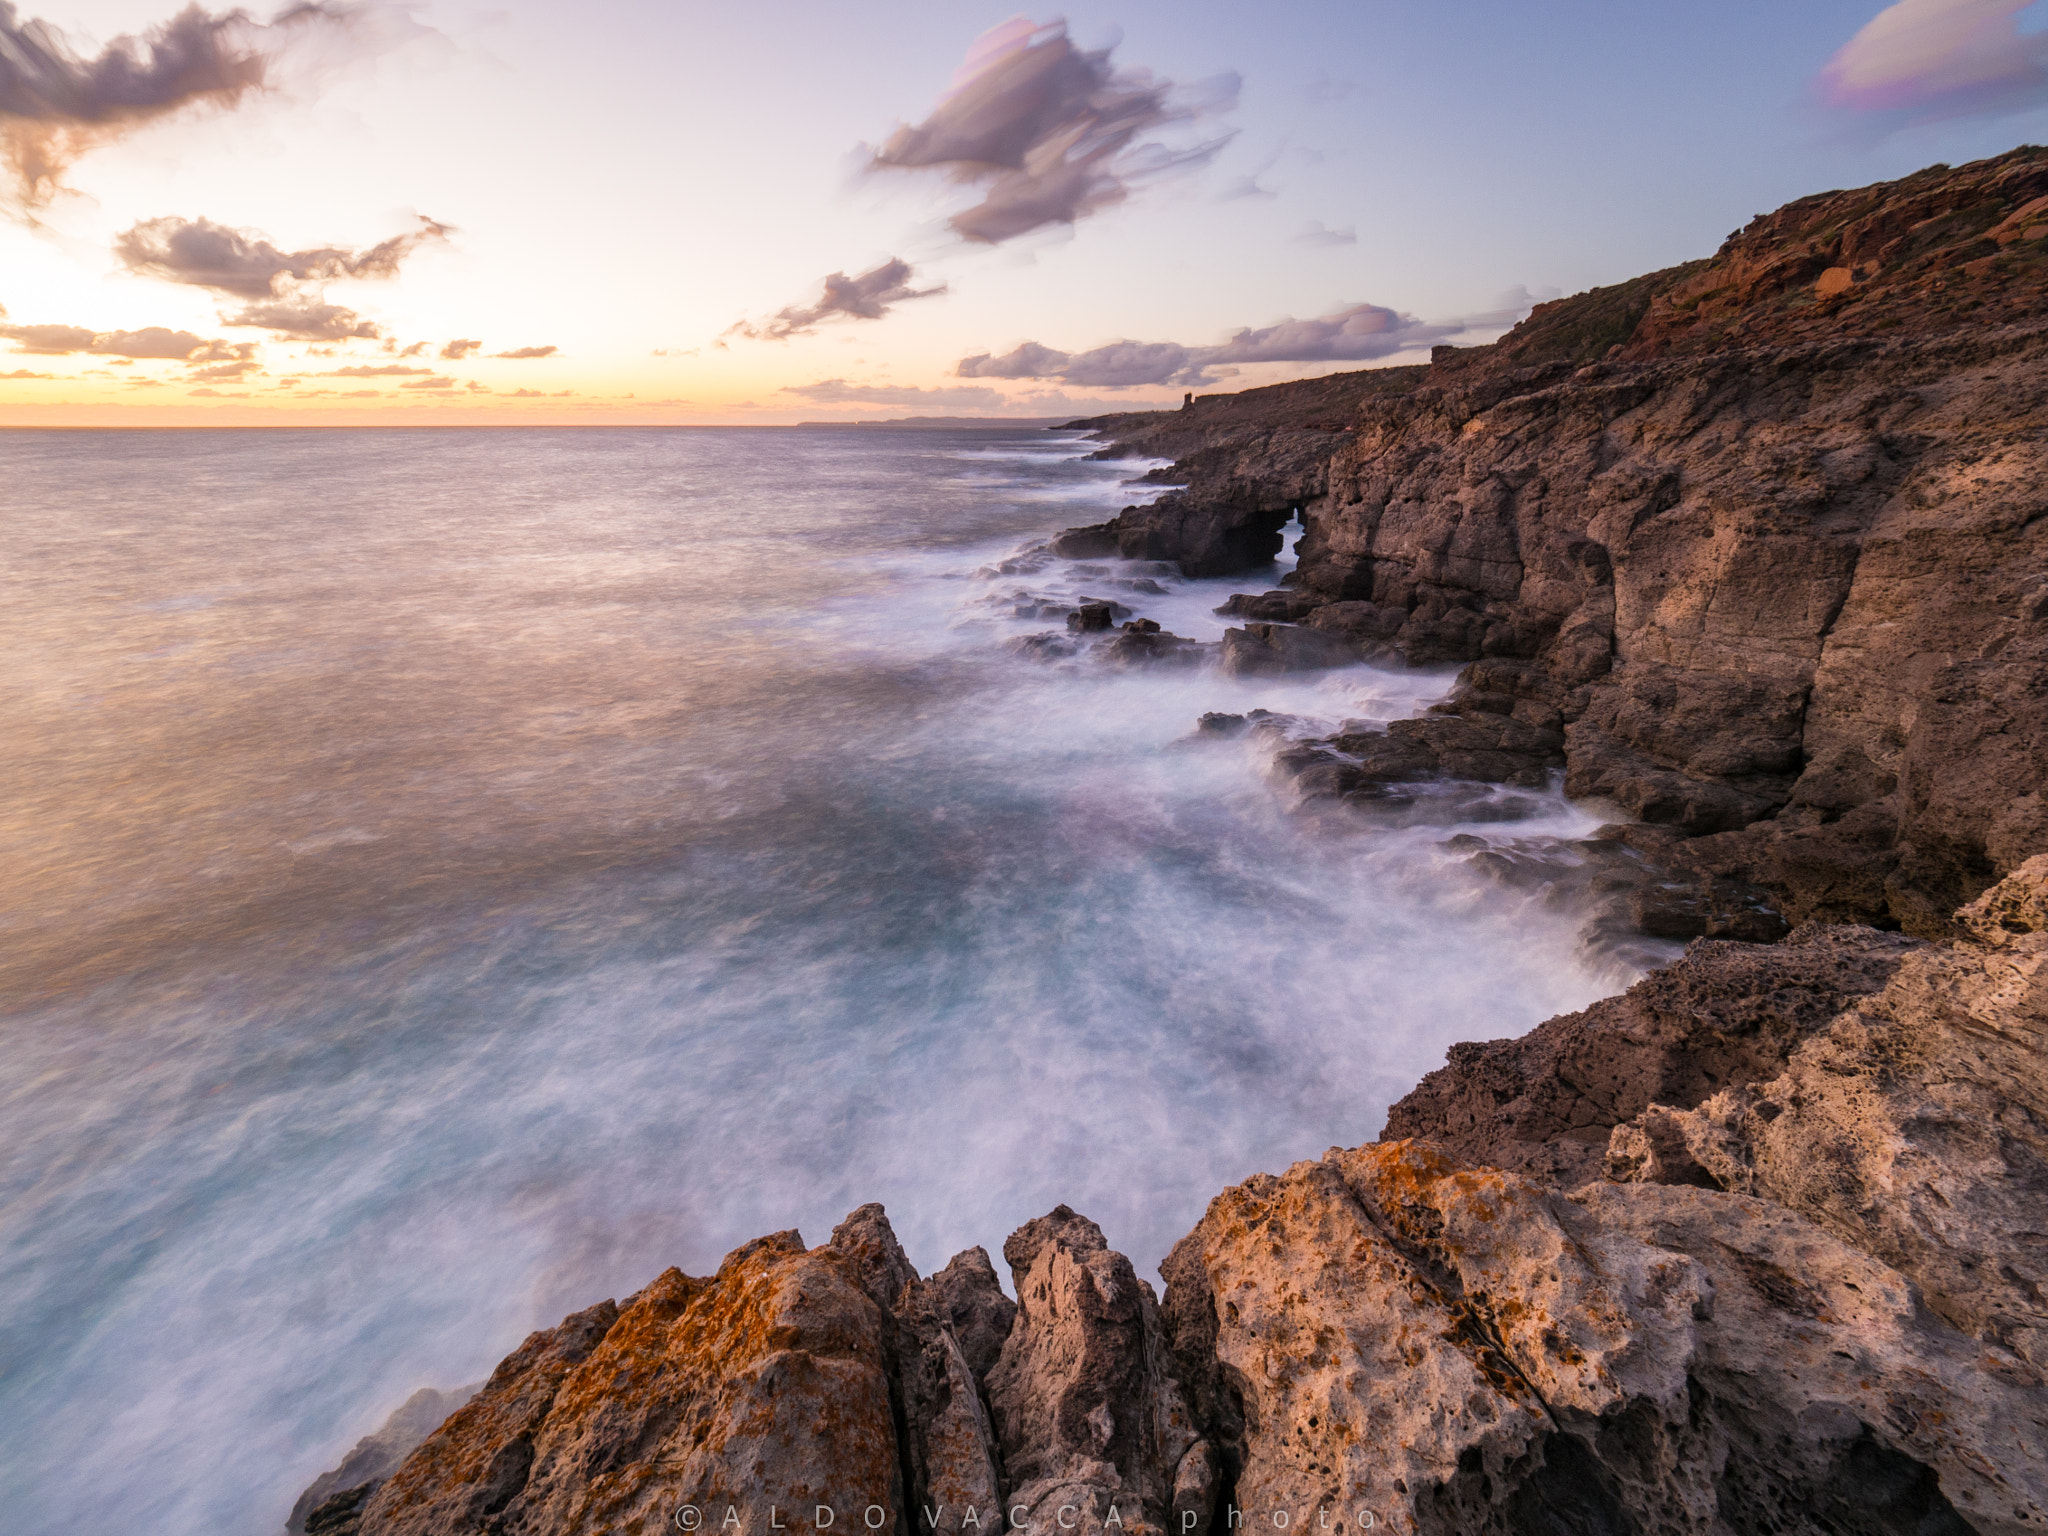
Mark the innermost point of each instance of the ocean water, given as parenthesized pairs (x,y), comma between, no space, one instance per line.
(447,877)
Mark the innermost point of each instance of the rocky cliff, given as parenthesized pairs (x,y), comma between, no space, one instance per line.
(1755,1248)
(1763,536)
(1753,548)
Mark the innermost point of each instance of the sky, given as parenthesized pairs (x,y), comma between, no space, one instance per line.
(447,213)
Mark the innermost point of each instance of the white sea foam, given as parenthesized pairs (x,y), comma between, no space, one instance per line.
(521,864)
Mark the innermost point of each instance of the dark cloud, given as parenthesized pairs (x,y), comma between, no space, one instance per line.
(866,297)
(1925,60)
(1359,334)
(304,320)
(523,352)
(150,342)
(1052,132)
(456,351)
(376,371)
(242,263)
(56,104)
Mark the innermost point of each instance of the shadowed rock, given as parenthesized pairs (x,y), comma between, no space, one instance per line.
(1091,1417)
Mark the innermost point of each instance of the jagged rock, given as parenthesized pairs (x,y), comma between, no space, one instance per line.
(375,1457)
(767,1384)
(1090,1415)
(1092,615)
(1915,1126)
(1152,647)
(2012,909)
(1546,1104)
(1458,1352)
(1284,606)
(1260,649)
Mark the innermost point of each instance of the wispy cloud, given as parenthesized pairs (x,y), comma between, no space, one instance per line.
(305,319)
(869,296)
(972,399)
(243,263)
(1362,333)
(1317,234)
(1051,132)
(375,371)
(153,342)
(286,289)
(527,352)
(1926,60)
(56,104)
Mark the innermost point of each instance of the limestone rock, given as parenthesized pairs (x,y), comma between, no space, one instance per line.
(1464,1352)
(1260,649)
(376,1456)
(1546,1104)
(1773,557)
(1089,1412)
(1914,1127)
(767,1384)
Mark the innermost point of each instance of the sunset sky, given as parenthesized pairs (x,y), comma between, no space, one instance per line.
(625,212)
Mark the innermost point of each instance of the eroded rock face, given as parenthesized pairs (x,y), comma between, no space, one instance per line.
(766,1384)
(833,1378)
(1769,546)
(1087,1405)
(1463,1351)
(1915,1126)
(1545,1104)
(337,1497)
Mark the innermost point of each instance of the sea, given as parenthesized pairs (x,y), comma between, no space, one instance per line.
(448,877)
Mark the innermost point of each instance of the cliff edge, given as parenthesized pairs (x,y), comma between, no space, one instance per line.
(1764,535)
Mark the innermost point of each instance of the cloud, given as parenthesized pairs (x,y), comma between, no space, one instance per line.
(150,342)
(841,392)
(1926,60)
(287,289)
(526,394)
(866,297)
(456,351)
(304,320)
(23,373)
(1361,333)
(374,371)
(226,370)
(439,381)
(1316,234)
(55,104)
(1053,133)
(519,352)
(244,264)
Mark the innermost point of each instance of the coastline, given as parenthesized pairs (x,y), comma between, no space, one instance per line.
(1746,1247)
